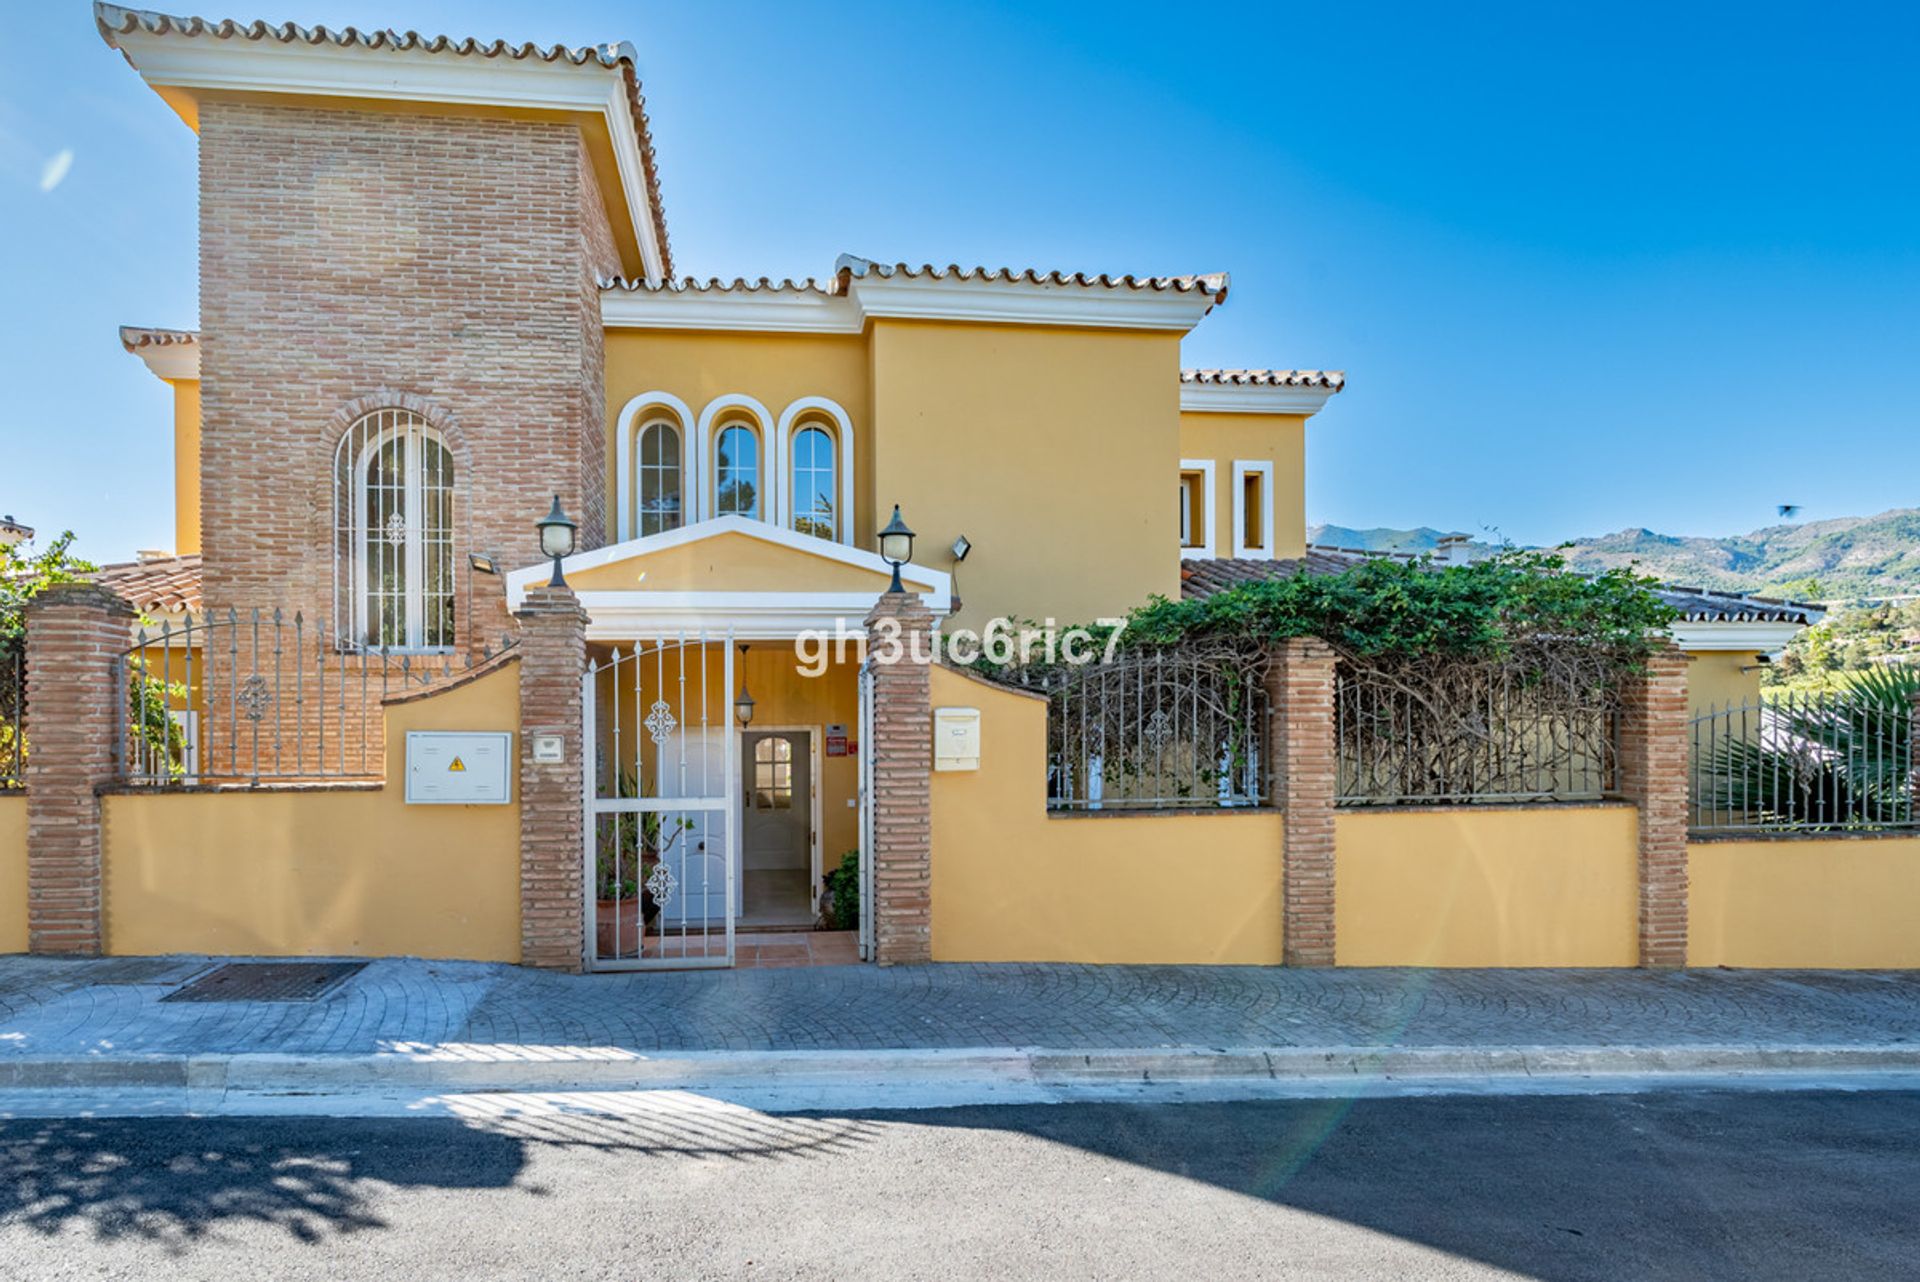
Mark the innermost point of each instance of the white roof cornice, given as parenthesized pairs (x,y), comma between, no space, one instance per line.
(1210,398)
(172,354)
(1701,636)
(191,54)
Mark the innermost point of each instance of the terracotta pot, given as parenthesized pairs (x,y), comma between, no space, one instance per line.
(620,914)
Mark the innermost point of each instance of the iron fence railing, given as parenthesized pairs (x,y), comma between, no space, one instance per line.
(1820,761)
(1156,730)
(260,696)
(1511,730)
(13,716)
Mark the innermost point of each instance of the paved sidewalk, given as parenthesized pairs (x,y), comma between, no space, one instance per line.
(111,1009)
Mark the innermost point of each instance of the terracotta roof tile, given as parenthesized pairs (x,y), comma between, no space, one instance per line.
(135,337)
(1332,378)
(718,285)
(848,266)
(115,21)
(163,585)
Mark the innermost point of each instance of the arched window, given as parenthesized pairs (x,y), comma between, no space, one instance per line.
(815,497)
(393,556)
(660,486)
(736,472)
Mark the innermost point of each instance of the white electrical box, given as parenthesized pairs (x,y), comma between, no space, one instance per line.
(956,738)
(459,768)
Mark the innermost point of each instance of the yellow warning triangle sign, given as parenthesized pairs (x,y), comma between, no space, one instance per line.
(458,765)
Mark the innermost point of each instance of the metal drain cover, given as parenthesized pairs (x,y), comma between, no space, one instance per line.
(265,982)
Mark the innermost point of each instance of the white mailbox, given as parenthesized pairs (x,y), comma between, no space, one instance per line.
(956,738)
(459,768)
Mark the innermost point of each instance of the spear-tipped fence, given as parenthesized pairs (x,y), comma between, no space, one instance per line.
(259,696)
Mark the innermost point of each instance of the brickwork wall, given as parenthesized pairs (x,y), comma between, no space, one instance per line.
(75,636)
(902,748)
(1653,775)
(1303,751)
(553,657)
(354,259)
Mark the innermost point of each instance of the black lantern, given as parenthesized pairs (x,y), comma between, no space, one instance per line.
(743,702)
(896,547)
(557,535)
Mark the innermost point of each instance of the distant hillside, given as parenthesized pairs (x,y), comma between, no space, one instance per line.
(1845,557)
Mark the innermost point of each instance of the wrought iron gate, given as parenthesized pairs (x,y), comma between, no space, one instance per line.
(662,830)
(865,747)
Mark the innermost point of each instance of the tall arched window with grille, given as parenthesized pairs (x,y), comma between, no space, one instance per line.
(660,485)
(815,495)
(736,472)
(393,486)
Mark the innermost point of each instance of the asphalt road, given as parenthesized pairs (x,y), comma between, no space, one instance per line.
(1730,1185)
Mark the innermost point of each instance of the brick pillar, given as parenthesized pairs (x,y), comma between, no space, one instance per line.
(553,658)
(76,707)
(1300,689)
(1653,775)
(899,641)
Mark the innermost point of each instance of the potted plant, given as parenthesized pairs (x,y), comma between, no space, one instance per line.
(632,845)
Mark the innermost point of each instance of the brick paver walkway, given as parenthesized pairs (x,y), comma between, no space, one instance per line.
(111,1007)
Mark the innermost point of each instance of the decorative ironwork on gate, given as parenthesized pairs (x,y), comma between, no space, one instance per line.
(1539,724)
(260,696)
(1179,727)
(663,843)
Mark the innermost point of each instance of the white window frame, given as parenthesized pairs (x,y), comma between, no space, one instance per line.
(813,408)
(414,430)
(1204,550)
(640,466)
(1243,468)
(634,415)
(762,497)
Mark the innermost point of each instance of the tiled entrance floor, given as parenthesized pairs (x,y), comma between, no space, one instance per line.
(764,949)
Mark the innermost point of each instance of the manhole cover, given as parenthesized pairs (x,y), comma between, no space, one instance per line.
(265,982)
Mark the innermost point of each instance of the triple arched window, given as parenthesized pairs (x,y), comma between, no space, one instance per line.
(734,459)
(393,499)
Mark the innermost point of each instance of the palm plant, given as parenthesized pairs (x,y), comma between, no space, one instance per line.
(1838,760)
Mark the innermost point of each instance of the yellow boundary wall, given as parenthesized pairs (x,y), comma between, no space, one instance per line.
(327,871)
(1012,884)
(1479,886)
(1832,903)
(13,872)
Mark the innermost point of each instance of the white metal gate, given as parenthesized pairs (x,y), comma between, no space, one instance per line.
(662,827)
(866,750)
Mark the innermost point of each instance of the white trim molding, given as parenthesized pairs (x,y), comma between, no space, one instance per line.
(842,455)
(1242,469)
(1209,522)
(707,503)
(626,502)
(1239,398)
(332,70)
(1702,636)
(765,311)
(635,613)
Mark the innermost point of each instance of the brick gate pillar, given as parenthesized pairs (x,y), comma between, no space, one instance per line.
(76,709)
(900,644)
(553,659)
(1300,684)
(1653,775)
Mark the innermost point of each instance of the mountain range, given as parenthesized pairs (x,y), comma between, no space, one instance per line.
(1834,560)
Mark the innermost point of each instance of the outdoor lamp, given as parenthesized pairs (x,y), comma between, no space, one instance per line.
(557,536)
(743,702)
(896,547)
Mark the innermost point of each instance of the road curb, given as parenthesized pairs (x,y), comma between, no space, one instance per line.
(455,1069)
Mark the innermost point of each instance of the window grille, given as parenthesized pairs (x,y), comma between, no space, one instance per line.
(736,474)
(393,505)
(813,483)
(660,477)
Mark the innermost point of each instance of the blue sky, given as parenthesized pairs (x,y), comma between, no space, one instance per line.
(1587,267)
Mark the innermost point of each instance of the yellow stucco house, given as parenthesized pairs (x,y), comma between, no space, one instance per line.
(438,295)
